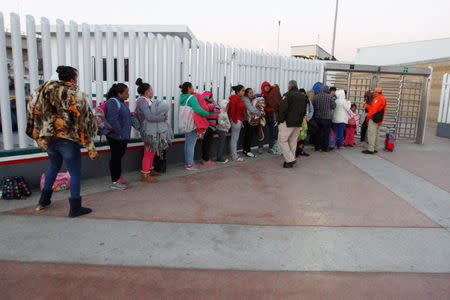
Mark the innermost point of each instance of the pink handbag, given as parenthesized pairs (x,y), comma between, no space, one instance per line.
(62,182)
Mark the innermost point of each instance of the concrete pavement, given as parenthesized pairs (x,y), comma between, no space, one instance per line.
(339,225)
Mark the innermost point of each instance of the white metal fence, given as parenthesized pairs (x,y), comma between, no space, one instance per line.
(163,61)
(444,106)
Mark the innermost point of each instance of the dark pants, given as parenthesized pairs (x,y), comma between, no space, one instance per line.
(324,134)
(207,143)
(339,131)
(272,131)
(364,127)
(221,144)
(118,149)
(249,133)
(69,152)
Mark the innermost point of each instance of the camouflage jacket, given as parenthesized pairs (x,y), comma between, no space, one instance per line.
(59,110)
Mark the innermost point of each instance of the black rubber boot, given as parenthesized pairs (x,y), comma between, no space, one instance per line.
(44,201)
(76,209)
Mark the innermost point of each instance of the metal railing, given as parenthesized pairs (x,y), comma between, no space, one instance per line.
(162,60)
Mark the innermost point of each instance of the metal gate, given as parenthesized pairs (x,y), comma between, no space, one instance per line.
(406,91)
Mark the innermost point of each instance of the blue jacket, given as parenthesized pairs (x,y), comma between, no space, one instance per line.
(119,119)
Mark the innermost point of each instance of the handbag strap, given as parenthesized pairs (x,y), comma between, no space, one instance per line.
(187,101)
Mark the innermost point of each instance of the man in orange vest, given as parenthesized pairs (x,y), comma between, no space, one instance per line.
(375,117)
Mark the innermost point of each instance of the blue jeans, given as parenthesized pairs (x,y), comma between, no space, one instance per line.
(69,152)
(339,130)
(221,144)
(272,131)
(189,147)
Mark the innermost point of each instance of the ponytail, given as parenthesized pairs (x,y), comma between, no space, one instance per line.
(237,88)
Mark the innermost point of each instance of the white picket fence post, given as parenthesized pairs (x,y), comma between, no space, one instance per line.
(444,105)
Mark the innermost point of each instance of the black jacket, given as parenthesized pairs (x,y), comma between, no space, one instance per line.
(293,108)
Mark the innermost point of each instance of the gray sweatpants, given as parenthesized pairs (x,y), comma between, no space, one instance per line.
(235,131)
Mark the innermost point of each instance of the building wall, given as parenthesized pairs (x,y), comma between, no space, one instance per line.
(439,69)
(404,52)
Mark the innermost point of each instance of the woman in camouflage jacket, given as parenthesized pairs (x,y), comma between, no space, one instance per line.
(59,120)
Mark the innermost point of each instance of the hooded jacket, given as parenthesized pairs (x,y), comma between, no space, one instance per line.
(269,110)
(323,104)
(342,109)
(293,108)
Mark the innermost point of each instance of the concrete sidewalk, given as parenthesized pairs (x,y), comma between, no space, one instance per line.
(338,225)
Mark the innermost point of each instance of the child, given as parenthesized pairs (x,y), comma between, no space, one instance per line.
(223,127)
(352,125)
(214,110)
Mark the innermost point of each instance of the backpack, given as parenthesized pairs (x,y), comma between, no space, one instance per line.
(389,142)
(332,140)
(100,118)
(137,117)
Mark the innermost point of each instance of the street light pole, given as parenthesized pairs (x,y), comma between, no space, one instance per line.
(334,31)
(278,44)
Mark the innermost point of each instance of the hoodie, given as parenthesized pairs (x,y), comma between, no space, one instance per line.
(340,114)
(323,104)
(269,110)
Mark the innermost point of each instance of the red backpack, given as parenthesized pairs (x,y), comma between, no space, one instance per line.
(389,142)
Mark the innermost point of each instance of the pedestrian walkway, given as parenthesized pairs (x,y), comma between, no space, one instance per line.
(338,225)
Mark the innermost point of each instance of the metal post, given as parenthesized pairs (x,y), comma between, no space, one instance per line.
(5,104)
(278,44)
(334,31)
(32,54)
(98,65)
(422,124)
(46,49)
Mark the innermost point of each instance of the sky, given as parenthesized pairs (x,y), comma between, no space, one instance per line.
(254,24)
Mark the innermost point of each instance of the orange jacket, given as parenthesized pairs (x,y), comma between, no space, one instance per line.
(377,105)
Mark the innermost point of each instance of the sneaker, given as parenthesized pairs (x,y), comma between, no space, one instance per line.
(118,186)
(208,163)
(368,152)
(223,160)
(249,154)
(121,179)
(260,150)
(192,168)
(341,148)
(238,159)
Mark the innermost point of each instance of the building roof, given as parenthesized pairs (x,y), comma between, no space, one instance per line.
(309,51)
(182,31)
(405,53)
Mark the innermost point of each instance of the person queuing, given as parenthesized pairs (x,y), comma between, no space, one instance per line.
(323,112)
(236,112)
(223,126)
(271,126)
(313,124)
(214,111)
(118,116)
(188,98)
(340,117)
(291,113)
(375,117)
(352,126)
(309,115)
(249,130)
(59,120)
(148,129)
(368,98)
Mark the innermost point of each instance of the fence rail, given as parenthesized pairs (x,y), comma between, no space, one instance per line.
(109,53)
